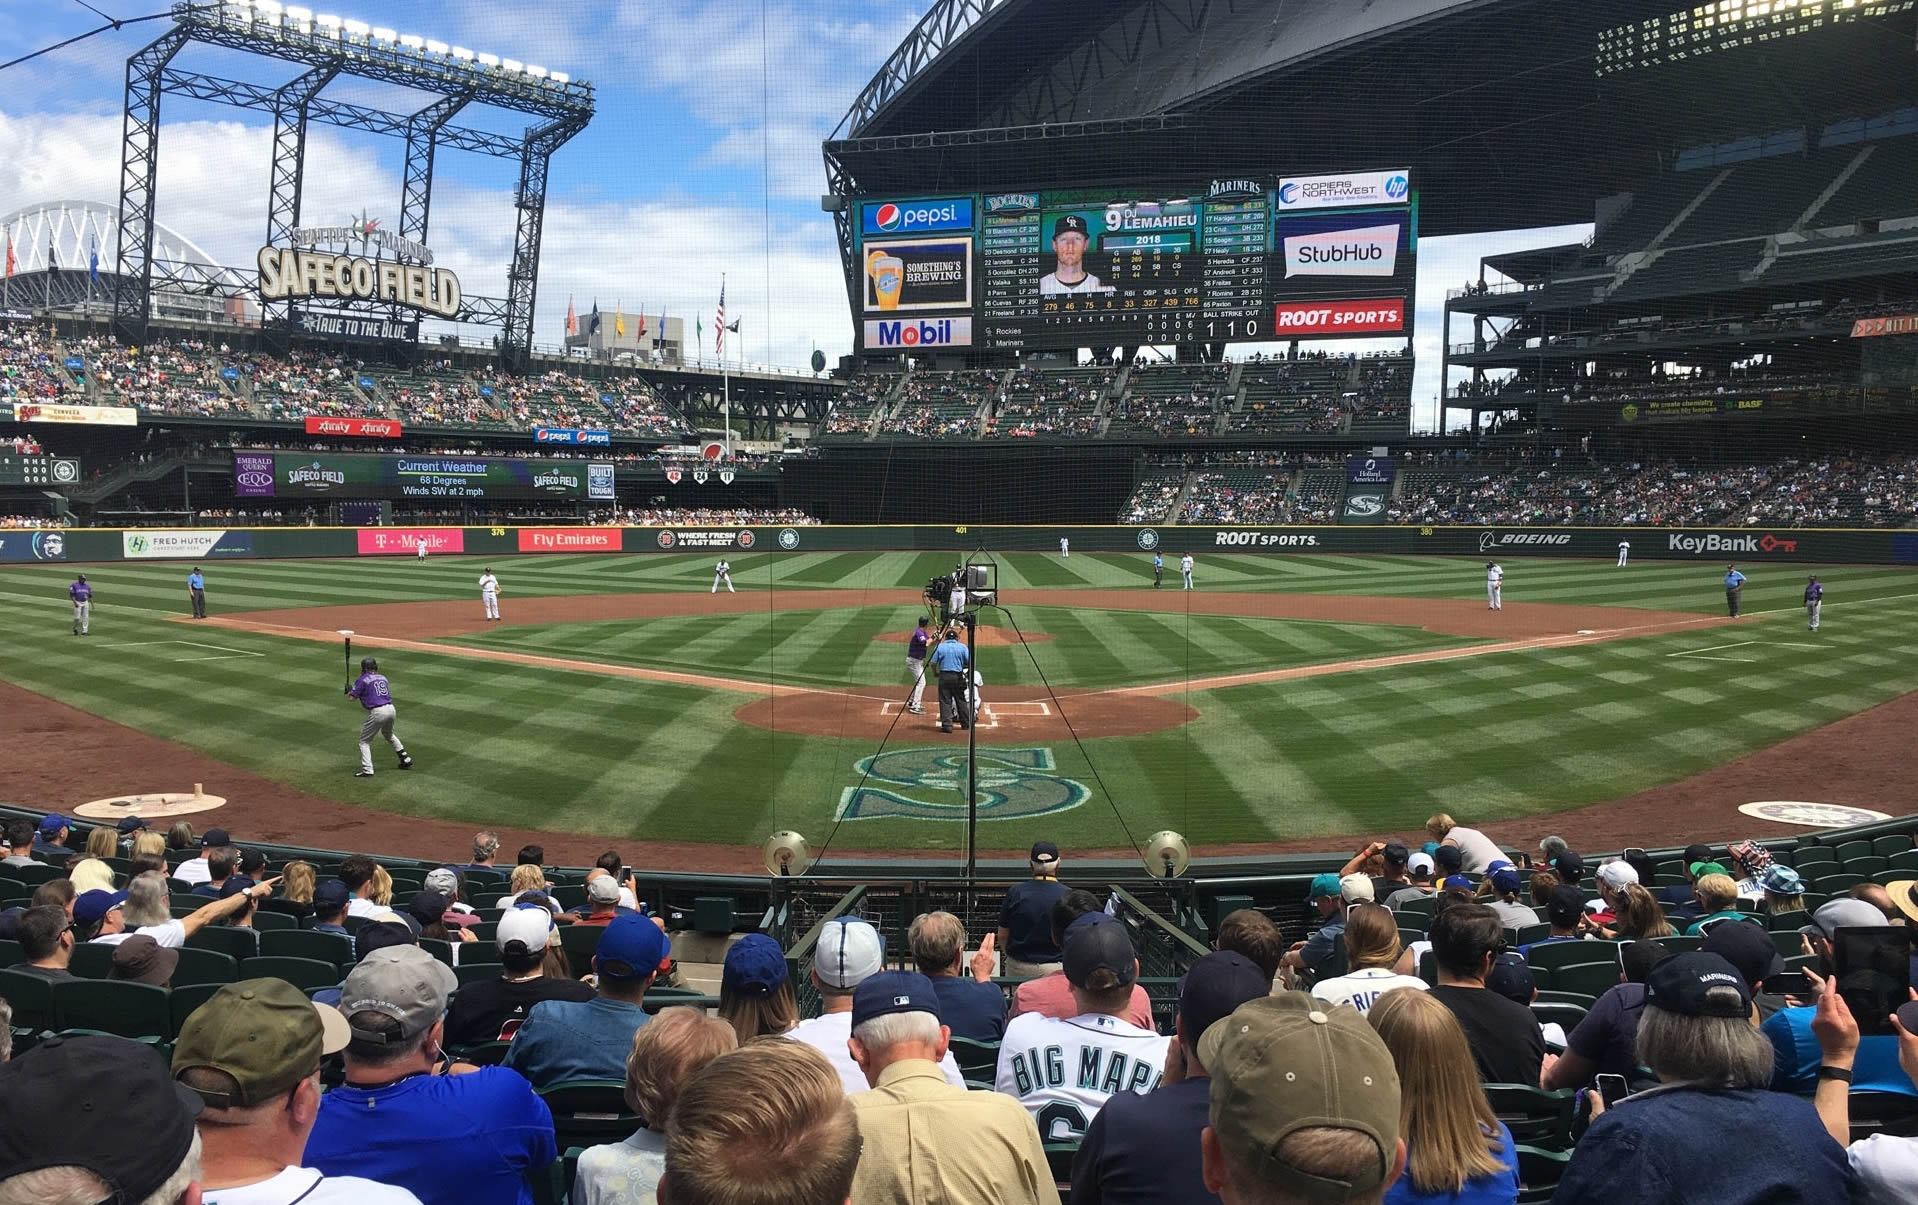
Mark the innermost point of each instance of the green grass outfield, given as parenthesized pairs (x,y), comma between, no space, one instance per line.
(1492,736)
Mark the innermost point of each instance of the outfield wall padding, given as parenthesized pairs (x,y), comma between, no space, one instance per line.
(1703,545)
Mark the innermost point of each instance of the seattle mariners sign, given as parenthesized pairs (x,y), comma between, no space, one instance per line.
(930,784)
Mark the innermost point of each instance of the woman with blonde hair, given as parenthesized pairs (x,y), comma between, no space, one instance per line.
(1784,890)
(1639,917)
(90,874)
(180,836)
(525,879)
(297,881)
(1371,951)
(103,842)
(149,844)
(1456,1149)
(665,1054)
(382,884)
(1717,895)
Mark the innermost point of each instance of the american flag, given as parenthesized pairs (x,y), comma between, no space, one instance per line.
(719,323)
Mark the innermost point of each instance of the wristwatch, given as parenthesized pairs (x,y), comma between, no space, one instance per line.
(1841,1074)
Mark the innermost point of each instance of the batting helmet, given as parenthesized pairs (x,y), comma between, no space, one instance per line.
(368,665)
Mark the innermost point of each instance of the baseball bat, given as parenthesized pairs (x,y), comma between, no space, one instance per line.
(346,634)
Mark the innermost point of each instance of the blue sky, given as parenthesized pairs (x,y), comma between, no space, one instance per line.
(703,157)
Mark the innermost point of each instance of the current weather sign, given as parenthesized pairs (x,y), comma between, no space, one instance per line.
(337,475)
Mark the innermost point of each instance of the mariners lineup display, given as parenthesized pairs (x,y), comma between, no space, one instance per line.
(1225,260)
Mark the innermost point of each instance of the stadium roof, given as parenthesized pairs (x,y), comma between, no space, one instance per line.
(1510,112)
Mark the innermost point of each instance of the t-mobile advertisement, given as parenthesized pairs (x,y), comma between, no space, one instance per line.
(405,541)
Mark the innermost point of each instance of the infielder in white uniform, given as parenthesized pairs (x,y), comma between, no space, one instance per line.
(1063,1071)
(421,545)
(1185,569)
(489,594)
(1065,546)
(723,572)
(956,602)
(1494,582)
(1624,552)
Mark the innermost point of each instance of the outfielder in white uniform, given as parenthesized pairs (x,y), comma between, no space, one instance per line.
(1185,569)
(723,572)
(421,545)
(1624,552)
(1494,583)
(489,593)
(1065,546)
(1063,1071)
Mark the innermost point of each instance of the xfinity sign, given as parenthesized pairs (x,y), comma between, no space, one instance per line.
(914,217)
(908,333)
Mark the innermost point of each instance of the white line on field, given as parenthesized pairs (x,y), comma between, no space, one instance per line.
(216,657)
(1745,660)
(1711,648)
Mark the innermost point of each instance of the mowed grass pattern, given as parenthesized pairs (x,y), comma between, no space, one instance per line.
(1492,735)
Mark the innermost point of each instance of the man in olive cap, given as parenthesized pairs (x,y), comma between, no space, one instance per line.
(252,1054)
(1305,1104)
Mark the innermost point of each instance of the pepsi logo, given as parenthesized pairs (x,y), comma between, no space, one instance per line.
(886,217)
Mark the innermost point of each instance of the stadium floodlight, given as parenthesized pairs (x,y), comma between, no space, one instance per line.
(536,72)
(433,47)
(513,65)
(412,41)
(295,13)
(463,55)
(356,29)
(488,60)
(385,35)
(559,77)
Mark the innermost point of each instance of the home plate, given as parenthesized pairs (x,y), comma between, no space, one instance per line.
(1811,815)
(151,805)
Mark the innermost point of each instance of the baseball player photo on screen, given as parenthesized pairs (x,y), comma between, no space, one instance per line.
(1071,249)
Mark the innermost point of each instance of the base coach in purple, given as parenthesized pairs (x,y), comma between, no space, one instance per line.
(376,695)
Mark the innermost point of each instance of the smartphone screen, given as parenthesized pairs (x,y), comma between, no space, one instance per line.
(1790,983)
(1612,1089)
(1873,966)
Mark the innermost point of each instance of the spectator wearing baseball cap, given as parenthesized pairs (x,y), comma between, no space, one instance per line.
(755,992)
(50,840)
(1569,867)
(1419,866)
(450,1139)
(1051,995)
(1506,1044)
(96,1118)
(1304,1104)
(252,1055)
(1506,883)
(194,870)
(1102,968)
(330,900)
(1027,946)
(492,1010)
(1314,954)
(848,953)
(564,1040)
(1457,1150)
(1748,946)
(98,914)
(1146,1148)
(1680,904)
(602,902)
(1696,1035)
(927,1140)
(1563,911)
(1795,1068)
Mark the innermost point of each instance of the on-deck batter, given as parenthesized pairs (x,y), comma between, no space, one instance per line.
(375,694)
(916,665)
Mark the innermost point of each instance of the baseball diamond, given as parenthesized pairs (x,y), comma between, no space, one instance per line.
(1288,698)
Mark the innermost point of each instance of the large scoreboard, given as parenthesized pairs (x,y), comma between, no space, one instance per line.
(1242,260)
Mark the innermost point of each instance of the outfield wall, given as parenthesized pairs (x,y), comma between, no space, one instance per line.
(1706,545)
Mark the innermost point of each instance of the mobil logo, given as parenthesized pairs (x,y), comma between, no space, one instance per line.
(908,333)
(1396,186)
(901,217)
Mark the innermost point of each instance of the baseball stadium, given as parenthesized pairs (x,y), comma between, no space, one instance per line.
(1242,460)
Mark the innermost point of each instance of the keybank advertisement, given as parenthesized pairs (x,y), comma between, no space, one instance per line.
(456,478)
(157,543)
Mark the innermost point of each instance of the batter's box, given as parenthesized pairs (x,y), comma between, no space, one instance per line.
(989,713)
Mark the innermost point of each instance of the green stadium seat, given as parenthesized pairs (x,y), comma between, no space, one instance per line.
(1788,922)
(131,1010)
(36,874)
(1539,1172)
(236,943)
(185,905)
(480,950)
(1531,933)
(978,1061)
(590,1112)
(205,966)
(476,972)
(31,997)
(569,895)
(1419,907)
(1535,1117)
(482,1054)
(1806,856)
(1679,943)
(184,999)
(1892,844)
(1408,936)
(442,950)
(1570,953)
(303,973)
(10,954)
(1060,1157)
(1591,978)
(304,943)
(1567,1014)
(266,922)
(1847,850)
(654,1003)
(1907,861)
(1839,883)
(1866,864)
(91,960)
(579,942)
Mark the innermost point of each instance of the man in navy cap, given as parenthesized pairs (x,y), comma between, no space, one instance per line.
(195,870)
(566,1039)
(926,1140)
(50,841)
(1069,242)
(1025,918)
(1146,1148)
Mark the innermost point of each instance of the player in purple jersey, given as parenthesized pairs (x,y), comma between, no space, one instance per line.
(376,695)
(82,596)
(916,665)
(1814,601)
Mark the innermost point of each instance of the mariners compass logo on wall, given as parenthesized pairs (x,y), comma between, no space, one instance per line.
(788,538)
(1148,538)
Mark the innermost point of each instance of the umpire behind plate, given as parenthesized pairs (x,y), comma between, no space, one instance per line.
(376,695)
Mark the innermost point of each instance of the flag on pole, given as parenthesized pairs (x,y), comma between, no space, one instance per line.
(93,263)
(699,331)
(592,319)
(642,323)
(10,264)
(572,318)
(719,322)
(619,322)
(53,263)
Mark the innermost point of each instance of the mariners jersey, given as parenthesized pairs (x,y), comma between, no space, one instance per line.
(488,584)
(1063,1071)
(1493,575)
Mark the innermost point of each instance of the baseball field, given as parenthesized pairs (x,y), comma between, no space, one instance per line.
(1286,701)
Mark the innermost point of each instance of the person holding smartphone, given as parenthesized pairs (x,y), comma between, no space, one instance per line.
(1885,1165)
(1797,1063)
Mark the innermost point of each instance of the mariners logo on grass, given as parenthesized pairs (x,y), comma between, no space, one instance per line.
(1014,784)
(788,538)
(1148,538)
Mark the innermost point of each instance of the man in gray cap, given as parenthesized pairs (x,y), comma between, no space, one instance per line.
(1304,1104)
(404,1116)
(1795,1046)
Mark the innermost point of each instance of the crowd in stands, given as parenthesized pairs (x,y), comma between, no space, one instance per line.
(444,1030)
(31,520)
(32,368)
(852,413)
(1048,403)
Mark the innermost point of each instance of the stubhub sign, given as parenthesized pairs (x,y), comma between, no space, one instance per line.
(914,217)
(924,332)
